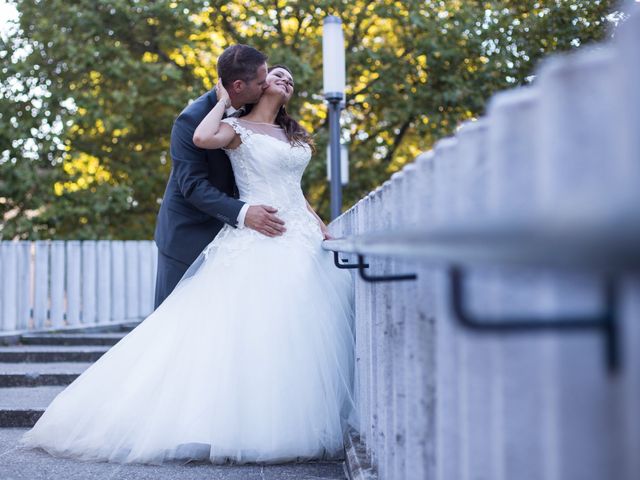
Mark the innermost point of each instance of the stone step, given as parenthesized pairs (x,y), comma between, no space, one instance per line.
(23,406)
(51,353)
(14,337)
(124,327)
(72,338)
(39,374)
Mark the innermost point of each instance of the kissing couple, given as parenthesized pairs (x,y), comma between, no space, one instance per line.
(249,355)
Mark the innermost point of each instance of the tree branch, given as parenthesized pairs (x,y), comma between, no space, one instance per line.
(398,140)
(373,135)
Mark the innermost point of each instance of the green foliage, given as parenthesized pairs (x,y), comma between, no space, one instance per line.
(85,145)
(112,92)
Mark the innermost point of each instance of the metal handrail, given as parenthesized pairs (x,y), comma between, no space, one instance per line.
(346,245)
(592,247)
(605,250)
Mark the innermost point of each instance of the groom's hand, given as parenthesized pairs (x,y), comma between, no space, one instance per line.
(263,219)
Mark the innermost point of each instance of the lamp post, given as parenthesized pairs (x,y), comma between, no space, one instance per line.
(334,80)
(344,164)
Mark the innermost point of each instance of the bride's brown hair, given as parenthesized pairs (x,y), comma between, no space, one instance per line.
(296,134)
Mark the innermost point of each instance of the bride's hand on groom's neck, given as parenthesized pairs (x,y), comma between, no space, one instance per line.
(222,94)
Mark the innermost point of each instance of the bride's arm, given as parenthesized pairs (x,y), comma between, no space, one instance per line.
(211,132)
(323,227)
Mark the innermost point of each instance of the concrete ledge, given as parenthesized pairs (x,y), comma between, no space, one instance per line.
(357,464)
(125,325)
(51,353)
(13,337)
(19,418)
(22,407)
(76,338)
(36,379)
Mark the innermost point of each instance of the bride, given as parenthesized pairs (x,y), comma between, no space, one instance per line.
(250,359)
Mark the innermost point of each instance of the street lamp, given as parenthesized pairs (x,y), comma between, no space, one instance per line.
(334,80)
(344,164)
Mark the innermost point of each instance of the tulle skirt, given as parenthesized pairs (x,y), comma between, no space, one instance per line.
(250,359)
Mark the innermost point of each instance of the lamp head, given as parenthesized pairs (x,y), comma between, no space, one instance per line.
(333,58)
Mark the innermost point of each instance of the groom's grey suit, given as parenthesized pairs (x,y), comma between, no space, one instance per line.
(200,197)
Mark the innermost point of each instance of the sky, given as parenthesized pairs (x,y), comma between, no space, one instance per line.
(7,13)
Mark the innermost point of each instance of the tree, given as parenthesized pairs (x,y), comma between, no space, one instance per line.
(114,84)
(117,72)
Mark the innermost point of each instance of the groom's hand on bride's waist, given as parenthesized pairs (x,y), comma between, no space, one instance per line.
(263,219)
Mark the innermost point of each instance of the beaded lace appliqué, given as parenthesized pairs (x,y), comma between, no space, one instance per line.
(268,171)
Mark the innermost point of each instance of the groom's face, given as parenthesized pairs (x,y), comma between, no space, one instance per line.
(254,88)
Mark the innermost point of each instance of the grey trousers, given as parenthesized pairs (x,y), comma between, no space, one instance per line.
(170,271)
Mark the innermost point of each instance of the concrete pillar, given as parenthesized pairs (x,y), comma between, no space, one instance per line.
(104,281)
(24,285)
(118,281)
(132,284)
(41,284)
(89,282)
(57,283)
(9,285)
(448,442)
(581,165)
(521,367)
(73,281)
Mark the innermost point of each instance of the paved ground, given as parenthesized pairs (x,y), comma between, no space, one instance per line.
(41,365)
(20,464)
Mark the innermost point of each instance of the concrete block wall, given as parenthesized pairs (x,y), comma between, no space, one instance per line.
(441,402)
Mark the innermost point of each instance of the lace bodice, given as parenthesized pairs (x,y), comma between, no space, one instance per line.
(268,171)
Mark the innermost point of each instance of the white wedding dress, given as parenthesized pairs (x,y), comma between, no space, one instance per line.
(250,359)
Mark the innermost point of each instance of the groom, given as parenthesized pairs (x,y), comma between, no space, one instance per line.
(201,194)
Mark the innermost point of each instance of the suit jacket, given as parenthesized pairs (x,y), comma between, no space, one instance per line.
(201,194)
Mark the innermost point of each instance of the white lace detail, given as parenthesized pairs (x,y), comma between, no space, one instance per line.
(242,132)
(268,171)
(244,136)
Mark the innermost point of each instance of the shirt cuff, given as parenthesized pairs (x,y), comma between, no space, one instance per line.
(241,215)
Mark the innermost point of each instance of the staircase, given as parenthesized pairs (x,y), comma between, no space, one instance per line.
(40,365)
(35,367)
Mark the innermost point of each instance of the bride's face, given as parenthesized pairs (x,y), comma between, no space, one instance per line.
(280,81)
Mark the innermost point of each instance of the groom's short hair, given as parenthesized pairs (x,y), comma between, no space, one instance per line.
(239,62)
